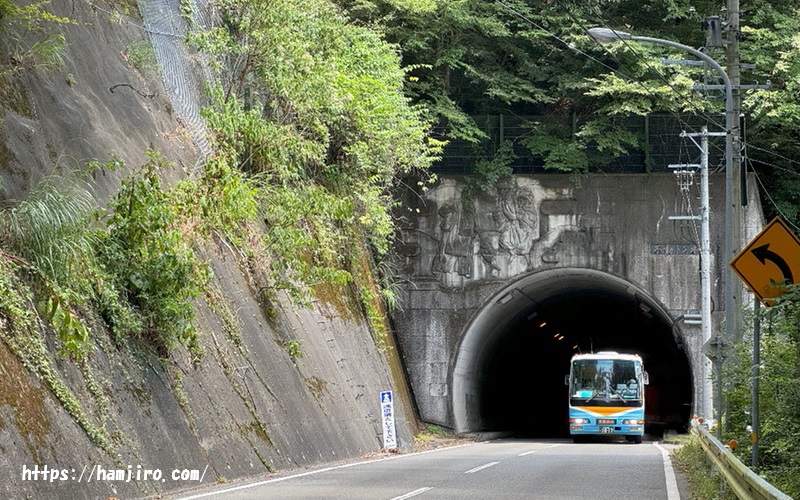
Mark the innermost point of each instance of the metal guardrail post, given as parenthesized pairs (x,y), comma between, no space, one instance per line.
(745,483)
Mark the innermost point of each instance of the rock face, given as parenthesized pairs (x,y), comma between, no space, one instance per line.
(278,389)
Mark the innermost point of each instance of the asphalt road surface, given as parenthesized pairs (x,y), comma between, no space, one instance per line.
(502,469)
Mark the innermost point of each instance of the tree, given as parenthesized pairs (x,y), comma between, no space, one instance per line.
(532,57)
(779,391)
(314,107)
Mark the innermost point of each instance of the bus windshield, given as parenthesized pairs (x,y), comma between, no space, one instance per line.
(605,380)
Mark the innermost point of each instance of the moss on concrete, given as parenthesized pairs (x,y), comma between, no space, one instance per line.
(27,402)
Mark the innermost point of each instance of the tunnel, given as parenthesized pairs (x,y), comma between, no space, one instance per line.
(512,358)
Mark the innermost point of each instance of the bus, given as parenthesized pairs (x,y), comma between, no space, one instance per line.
(606,395)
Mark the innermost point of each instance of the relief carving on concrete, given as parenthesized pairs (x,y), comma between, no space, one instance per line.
(497,234)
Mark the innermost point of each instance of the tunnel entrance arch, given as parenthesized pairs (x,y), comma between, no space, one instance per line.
(509,366)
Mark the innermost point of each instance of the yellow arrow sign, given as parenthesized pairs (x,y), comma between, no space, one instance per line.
(770,261)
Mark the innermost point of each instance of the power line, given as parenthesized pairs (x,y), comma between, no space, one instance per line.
(616,71)
(569,45)
(795,162)
(771,199)
(627,77)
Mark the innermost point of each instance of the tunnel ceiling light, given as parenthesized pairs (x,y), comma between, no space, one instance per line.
(533,315)
(505,299)
(542,324)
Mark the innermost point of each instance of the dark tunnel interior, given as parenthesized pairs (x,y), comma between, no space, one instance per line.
(521,388)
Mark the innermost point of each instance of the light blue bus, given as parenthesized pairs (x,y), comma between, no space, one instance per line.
(606,395)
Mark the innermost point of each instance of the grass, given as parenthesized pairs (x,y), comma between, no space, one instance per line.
(434,436)
(705,483)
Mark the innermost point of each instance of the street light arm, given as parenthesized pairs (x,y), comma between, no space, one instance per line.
(700,55)
(608,35)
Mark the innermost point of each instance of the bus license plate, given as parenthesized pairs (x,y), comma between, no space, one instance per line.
(606,430)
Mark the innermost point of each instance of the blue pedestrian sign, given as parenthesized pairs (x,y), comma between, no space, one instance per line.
(387,416)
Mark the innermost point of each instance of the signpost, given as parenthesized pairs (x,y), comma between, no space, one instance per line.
(770,261)
(387,417)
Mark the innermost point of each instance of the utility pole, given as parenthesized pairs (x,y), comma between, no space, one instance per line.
(755,426)
(733,222)
(705,260)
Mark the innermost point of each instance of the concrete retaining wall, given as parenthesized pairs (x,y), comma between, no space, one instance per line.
(248,408)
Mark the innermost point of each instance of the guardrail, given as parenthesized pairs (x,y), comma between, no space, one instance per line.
(744,483)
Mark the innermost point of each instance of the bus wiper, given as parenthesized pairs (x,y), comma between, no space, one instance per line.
(615,393)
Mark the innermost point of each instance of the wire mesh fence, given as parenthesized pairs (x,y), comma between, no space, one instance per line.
(658,136)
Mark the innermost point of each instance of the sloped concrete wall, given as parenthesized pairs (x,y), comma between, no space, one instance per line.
(249,407)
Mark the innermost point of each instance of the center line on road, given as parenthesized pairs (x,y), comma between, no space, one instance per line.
(484,466)
(540,449)
(256,484)
(413,493)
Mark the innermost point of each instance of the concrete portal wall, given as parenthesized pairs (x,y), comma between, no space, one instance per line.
(455,253)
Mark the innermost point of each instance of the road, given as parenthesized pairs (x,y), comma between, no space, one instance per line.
(501,469)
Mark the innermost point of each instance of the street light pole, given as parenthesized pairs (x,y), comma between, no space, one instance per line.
(732,227)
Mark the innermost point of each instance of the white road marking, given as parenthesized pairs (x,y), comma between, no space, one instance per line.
(326,469)
(672,484)
(484,466)
(540,449)
(413,493)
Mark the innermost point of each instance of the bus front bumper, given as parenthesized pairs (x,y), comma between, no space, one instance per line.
(606,430)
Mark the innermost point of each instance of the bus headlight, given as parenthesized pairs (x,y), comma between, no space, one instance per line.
(632,421)
(579,420)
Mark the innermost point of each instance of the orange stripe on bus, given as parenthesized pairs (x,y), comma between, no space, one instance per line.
(605,410)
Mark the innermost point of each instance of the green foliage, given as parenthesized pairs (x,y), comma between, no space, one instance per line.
(608,137)
(73,334)
(779,391)
(293,349)
(532,58)
(33,35)
(480,56)
(437,430)
(307,236)
(221,199)
(49,232)
(566,155)
(50,228)
(19,331)
(142,56)
(704,482)
(314,109)
(147,254)
(489,171)
(142,273)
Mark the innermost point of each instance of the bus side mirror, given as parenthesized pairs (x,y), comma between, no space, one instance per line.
(646,378)
(566,379)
